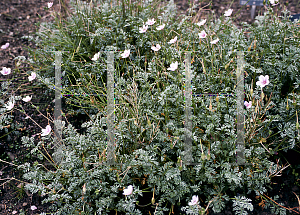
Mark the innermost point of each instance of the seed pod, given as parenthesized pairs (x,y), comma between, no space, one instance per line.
(153,200)
(227,65)
(210,106)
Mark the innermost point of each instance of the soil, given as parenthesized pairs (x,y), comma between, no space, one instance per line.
(18,19)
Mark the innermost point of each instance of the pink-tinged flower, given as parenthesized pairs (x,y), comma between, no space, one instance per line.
(143,29)
(96,56)
(156,48)
(27,98)
(150,22)
(173,66)
(126,53)
(128,191)
(46,131)
(214,41)
(173,40)
(5,46)
(201,23)
(228,12)
(5,71)
(160,27)
(33,207)
(274,2)
(194,200)
(32,76)
(50,4)
(248,104)
(202,35)
(14,212)
(10,105)
(263,81)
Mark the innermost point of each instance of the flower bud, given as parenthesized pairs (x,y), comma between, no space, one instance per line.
(84,189)
(217,98)
(251,92)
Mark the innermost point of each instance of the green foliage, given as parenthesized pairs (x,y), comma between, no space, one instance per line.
(8,127)
(274,45)
(242,203)
(150,108)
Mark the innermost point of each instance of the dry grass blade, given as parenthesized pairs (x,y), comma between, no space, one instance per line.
(298,201)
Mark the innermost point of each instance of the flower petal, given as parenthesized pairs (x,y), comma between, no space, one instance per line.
(46,131)
(5,46)
(160,27)
(228,12)
(5,71)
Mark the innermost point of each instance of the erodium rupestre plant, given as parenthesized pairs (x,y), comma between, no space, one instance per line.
(150,72)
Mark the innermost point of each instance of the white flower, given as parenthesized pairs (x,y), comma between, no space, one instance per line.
(201,23)
(10,105)
(5,46)
(14,212)
(173,66)
(202,35)
(248,104)
(50,4)
(96,56)
(128,191)
(33,207)
(156,48)
(263,81)
(173,40)
(150,22)
(143,29)
(228,12)
(46,131)
(215,41)
(160,27)
(126,53)
(194,200)
(27,98)
(32,76)
(5,71)
(274,2)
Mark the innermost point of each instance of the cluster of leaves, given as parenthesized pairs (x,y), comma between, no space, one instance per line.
(273,48)
(150,107)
